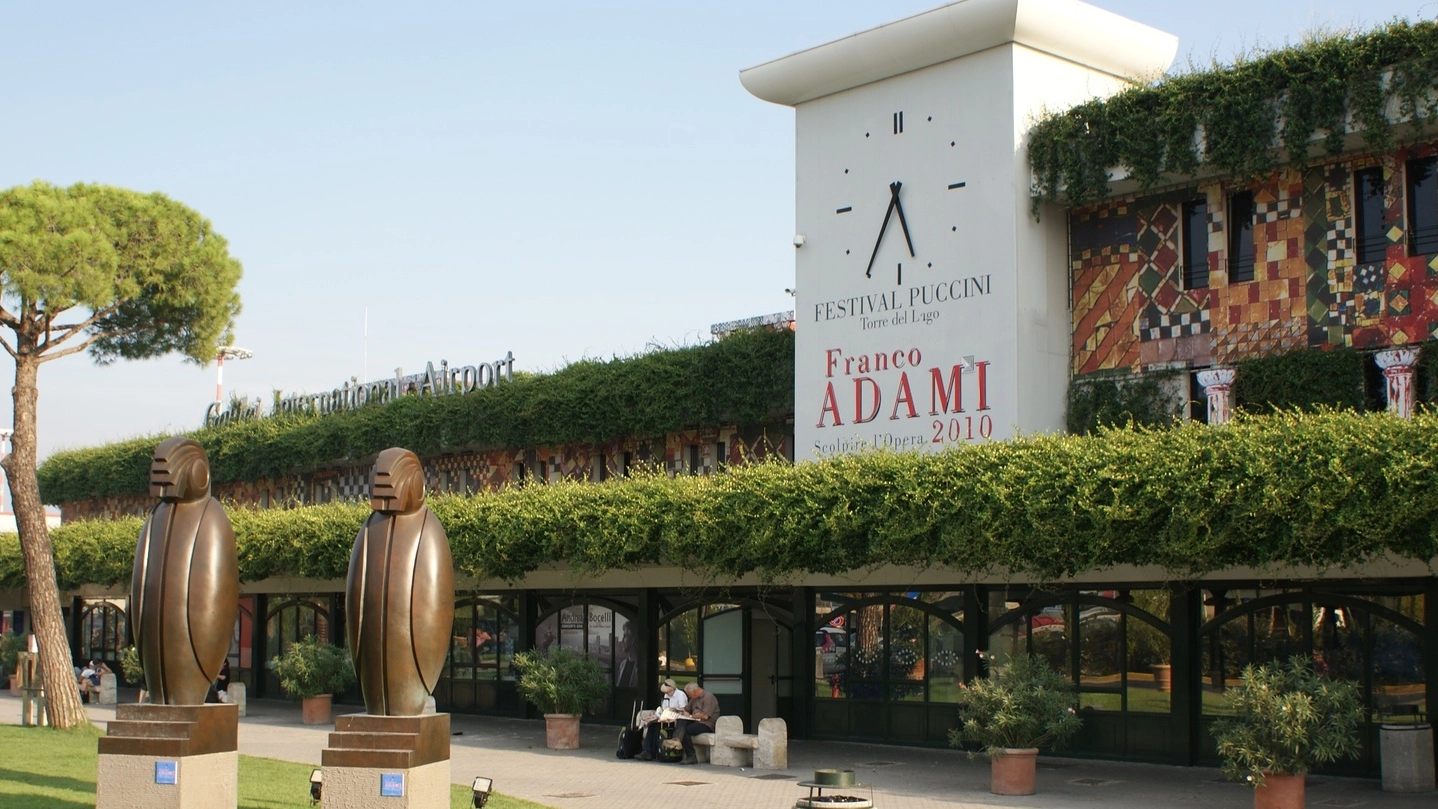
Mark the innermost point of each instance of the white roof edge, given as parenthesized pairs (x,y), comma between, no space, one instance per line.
(1068,29)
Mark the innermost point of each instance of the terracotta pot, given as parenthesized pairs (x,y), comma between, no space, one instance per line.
(1163,677)
(1279,791)
(14,685)
(561,731)
(1013,772)
(316,710)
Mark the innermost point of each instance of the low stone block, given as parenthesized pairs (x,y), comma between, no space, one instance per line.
(108,687)
(239,696)
(208,781)
(773,750)
(424,787)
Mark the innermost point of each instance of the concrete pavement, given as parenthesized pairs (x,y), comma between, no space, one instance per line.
(512,752)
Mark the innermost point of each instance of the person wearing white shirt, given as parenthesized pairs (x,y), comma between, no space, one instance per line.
(674,700)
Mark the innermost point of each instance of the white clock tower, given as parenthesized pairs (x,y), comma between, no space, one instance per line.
(931,305)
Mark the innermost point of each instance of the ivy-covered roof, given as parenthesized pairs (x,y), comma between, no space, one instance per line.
(744,379)
(1244,119)
(1323,489)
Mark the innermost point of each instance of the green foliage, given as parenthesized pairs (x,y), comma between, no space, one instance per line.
(1326,488)
(1247,116)
(1425,375)
(131,667)
(588,402)
(149,274)
(1023,703)
(10,646)
(1306,379)
(1117,401)
(1287,718)
(561,681)
(312,667)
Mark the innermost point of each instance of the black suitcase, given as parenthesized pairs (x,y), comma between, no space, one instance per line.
(631,738)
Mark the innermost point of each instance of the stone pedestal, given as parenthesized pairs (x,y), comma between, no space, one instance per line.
(170,757)
(108,687)
(239,697)
(1406,752)
(369,758)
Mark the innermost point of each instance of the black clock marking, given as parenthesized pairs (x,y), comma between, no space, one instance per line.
(844,209)
(899,122)
(899,279)
(952,186)
(894,205)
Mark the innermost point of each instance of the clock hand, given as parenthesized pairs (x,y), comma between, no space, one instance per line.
(893,198)
(895,186)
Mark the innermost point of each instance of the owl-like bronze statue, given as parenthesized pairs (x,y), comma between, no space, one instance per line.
(184,592)
(399,599)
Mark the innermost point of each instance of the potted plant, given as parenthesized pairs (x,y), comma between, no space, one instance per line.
(562,685)
(313,671)
(10,646)
(1286,718)
(133,671)
(1022,706)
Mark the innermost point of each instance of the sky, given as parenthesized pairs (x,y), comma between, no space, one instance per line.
(415,182)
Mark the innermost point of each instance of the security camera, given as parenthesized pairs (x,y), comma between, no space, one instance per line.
(799,240)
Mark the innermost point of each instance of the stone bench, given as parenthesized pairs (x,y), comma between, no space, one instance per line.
(730,746)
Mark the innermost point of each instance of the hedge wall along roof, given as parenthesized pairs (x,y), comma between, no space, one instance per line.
(744,379)
(1324,489)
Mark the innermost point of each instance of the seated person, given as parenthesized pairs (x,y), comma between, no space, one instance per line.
(699,717)
(89,678)
(673,702)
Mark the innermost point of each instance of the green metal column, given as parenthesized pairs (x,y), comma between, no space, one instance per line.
(803,651)
(647,635)
(1186,656)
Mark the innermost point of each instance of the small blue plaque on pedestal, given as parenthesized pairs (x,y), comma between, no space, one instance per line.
(166,772)
(391,785)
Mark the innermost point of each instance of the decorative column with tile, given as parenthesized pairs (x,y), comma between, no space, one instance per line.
(1218,385)
(1397,365)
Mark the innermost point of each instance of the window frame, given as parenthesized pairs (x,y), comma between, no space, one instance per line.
(1242,252)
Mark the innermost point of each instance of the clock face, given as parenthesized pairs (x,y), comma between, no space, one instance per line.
(899,198)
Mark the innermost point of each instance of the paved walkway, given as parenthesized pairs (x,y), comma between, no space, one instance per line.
(512,752)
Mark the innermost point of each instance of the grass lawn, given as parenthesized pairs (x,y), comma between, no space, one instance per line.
(51,769)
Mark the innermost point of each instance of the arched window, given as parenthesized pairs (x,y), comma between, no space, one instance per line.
(598,631)
(482,642)
(104,632)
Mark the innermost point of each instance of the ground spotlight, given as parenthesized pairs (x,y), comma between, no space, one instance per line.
(482,786)
(317,785)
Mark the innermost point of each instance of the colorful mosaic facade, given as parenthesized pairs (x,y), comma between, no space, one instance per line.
(1131,311)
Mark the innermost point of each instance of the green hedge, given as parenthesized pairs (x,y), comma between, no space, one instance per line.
(744,379)
(1119,400)
(1307,378)
(1329,488)
(1265,109)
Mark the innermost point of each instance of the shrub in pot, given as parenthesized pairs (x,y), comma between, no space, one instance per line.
(1023,705)
(562,685)
(132,669)
(10,646)
(313,671)
(1286,719)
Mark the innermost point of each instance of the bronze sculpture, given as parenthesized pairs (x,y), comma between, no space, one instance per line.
(184,592)
(399,598)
